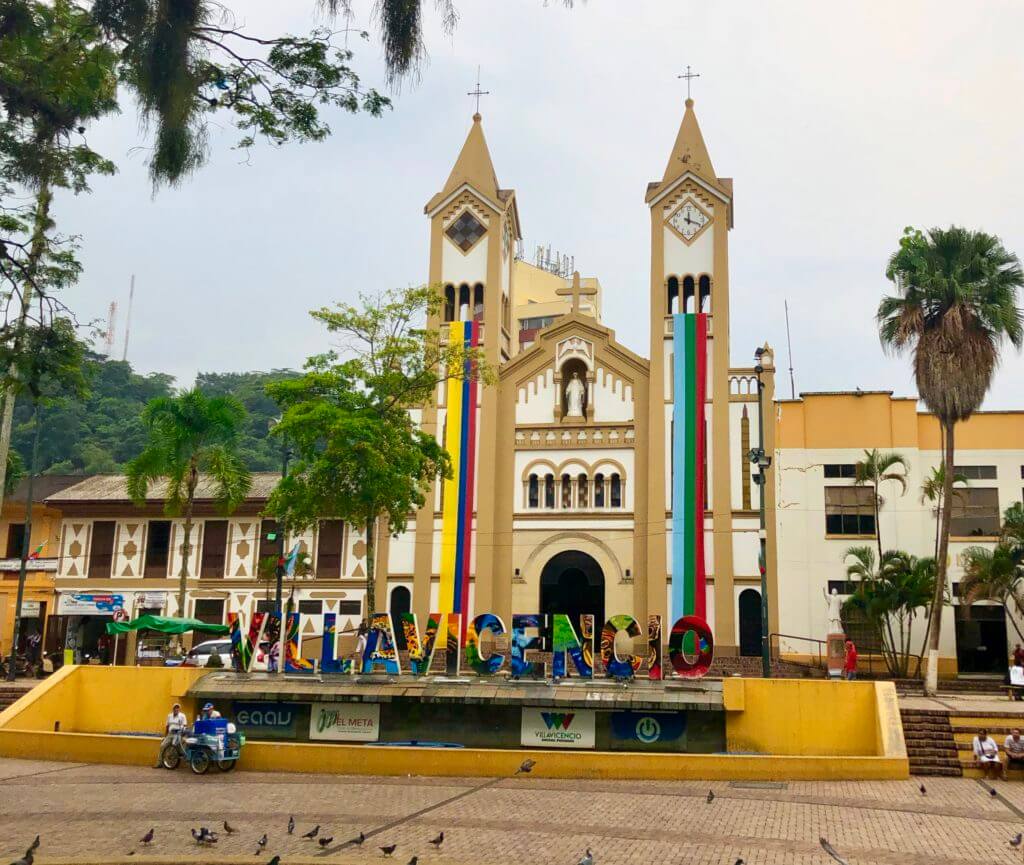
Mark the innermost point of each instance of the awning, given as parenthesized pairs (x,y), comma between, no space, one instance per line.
(165,626)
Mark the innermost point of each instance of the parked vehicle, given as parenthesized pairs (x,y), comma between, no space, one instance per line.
(199,656)
(215,741)
(22,667)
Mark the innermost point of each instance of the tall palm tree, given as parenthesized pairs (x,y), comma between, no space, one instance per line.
(877,468)
(191,435)
(997,574)
(954,307)
(931,491)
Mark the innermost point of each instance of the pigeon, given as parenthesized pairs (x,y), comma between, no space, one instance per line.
(387,851)
(323,842)
(275,861)
(27,859)
(229,828)
(526,767)
(312,833)
(261,844)
(923,789)
(414,860)
(1015,841)
(358,841)
(438,841)
(739,862)
(204,836)
(828,848)
(711,796)
(291,825)
(588,859)
(33,846)
(992,792)
(148,837)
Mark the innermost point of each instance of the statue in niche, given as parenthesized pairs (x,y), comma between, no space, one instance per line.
(575,393)
(835,603)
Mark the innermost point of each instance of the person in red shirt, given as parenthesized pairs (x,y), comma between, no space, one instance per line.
(1018,656)
(850,666)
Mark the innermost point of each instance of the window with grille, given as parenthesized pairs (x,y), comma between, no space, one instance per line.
(311,608)
(849,511)
(101,550)
(158,548)
(840,470)
(350,608)
(975,512)
(976,473)
(215,548)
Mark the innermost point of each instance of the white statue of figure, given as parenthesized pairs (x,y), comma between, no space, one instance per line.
(835,603)
(575,391)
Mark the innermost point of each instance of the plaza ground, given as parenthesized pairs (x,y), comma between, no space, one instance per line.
(97,813)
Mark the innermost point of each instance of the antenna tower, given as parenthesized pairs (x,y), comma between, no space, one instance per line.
(111,323)
(789,347)
(128,319)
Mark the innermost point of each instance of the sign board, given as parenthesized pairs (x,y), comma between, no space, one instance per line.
(120,615)
(267,720)
(150,600)
(546,728)
(1017,676)
(30,609)
(88,604)
(648,727)
(345,722)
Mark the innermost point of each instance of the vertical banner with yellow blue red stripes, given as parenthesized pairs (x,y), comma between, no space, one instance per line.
(457,513)
(689,376)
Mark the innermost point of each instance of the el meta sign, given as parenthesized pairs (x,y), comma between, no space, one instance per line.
(690,645)
(547,728)
(345,722)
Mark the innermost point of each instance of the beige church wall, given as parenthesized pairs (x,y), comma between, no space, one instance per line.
(612,398)
(589,461)
(471,267)
(693,259)
(738,458)
(536,400)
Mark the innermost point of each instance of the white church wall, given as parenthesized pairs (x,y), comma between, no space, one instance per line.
(458,267)
(613,398)
(536,400)
(746,548)
(402,551)
(693,259)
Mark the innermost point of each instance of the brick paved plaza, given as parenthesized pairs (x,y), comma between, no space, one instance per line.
(97,813)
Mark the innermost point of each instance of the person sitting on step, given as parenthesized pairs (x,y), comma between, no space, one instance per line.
(986,755)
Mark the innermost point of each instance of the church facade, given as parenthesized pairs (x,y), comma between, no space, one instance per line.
(590,479)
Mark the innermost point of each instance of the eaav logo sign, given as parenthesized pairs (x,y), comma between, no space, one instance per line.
(542,729)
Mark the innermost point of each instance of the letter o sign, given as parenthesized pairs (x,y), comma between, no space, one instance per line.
(705,642)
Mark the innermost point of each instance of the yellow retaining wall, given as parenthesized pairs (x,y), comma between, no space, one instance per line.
(798,729)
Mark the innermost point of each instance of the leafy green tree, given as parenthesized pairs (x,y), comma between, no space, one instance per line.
(56,73)
(997,574)
(360,455)
(890,598)
(954,308)
(875,469)
(191,437)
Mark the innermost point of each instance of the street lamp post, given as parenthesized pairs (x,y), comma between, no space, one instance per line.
(759,458)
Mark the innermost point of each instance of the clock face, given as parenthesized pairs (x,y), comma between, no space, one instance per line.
(689,219)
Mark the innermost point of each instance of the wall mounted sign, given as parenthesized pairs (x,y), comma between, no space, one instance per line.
(269,720)
(88,604)
(345,722)
(547,728)
(648,727)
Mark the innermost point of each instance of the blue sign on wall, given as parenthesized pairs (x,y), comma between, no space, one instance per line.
(648,727)
(267,720)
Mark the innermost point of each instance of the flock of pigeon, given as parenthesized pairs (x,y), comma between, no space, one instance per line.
(206,837)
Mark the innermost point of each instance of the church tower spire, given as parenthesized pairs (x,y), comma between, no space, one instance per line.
(473,166)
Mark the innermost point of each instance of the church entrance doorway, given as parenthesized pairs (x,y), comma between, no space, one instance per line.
(750,623)
(573,583)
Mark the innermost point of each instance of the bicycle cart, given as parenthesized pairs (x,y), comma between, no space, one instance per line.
(214,741)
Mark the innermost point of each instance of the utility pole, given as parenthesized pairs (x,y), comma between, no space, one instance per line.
(759,458)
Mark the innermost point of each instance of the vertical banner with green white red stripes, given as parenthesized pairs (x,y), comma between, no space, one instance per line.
(689,375)
(457,513)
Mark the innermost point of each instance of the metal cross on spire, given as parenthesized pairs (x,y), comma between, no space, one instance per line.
(689,76)
(478,92)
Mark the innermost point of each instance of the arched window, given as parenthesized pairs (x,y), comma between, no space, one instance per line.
(449,302)
(582,491)
(704,287)
(689,301)
(549,491)
(533,492)
(464,298)
(478,302)
(616,491)
(672,304)
(566,492)
(599,491)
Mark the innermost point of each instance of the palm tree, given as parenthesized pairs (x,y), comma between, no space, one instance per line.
(997,574)
(191,435)
(931,491)
(876,468)
(955,305)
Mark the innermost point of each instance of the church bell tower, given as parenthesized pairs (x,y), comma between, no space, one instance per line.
(689,540)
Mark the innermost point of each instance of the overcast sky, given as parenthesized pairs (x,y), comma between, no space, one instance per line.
(841,124)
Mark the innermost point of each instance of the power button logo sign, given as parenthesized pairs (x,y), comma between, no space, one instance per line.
(648,729)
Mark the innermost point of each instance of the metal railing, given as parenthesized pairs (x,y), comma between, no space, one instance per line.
(821,647)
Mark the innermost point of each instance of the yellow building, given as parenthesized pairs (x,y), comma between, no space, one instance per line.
(821,512)
(38,598)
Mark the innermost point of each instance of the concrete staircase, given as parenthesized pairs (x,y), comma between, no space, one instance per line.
(10,694)
(965,726)
(930,744)
(992,686)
